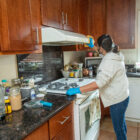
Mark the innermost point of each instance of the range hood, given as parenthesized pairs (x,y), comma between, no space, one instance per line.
(57,37)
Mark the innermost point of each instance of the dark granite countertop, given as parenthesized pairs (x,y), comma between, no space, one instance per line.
(21,123)
(133,74)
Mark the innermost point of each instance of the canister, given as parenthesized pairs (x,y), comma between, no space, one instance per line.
(15,98)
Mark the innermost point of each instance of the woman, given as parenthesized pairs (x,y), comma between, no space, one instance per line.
(112,83)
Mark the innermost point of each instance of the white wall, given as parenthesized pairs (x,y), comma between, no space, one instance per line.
(8,67)
(71,57)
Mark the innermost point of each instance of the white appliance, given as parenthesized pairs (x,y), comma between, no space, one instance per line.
(57,37)
(87,112)
(90,61)
(133,111)
(87,116)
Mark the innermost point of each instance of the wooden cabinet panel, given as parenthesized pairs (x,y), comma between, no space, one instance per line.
(70,11)
(83,12)
(66,134)
(51,13)
(121,22)
(60,14)
(42,133)
(104,111)
(16,28)
(97,18)
(60,120)
(58,128)
(36,24)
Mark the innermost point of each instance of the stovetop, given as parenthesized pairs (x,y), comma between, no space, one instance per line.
(62,85)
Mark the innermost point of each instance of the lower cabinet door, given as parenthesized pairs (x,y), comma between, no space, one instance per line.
(66,134)
(41,133)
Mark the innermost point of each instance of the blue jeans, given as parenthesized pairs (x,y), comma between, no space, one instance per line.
(117,112)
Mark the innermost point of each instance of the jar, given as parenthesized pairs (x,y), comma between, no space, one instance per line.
(15,98)
(71,74)
(16,82)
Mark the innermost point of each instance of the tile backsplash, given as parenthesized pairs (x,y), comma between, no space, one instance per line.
(42,67)
(130,56)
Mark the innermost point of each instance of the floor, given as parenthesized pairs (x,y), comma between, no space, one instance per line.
(107,132)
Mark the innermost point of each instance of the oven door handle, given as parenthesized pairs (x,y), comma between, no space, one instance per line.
(84,105)
(65,119)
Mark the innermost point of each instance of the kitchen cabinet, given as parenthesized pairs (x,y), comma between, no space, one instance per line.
(41,133)
(70,11)
(121,22)
(104,111)
(83,8)
(61,125)
(61,14)
(133,111)
(18,32)
(97,18)
(51,13)
(16,27)
(65,134)
(83,24)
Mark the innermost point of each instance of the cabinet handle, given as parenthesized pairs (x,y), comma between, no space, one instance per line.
(63,18)
(65,119)
(66,18)
(132,40)
(37,35)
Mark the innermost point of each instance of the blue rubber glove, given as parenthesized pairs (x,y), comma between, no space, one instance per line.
(73,91)
(91,44)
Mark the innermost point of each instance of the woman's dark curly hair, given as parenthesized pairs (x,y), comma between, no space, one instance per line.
(105,41)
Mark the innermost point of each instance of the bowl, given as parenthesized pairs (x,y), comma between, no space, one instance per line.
(65,73)
(40,96)
(42,90)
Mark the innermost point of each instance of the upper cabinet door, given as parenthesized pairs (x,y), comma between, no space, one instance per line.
(70,15)
(51,13)
(83,17)
(121,22)
(15,24)
(97,18)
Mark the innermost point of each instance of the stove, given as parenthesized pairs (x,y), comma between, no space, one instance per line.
(62,85)
(85,126)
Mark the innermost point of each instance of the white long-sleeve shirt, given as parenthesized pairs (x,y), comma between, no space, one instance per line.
(112,80)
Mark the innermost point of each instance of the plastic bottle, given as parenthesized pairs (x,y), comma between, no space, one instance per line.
(31,83)
(90,72)
(33,95)
(4,82)
(8,108)
(2,103)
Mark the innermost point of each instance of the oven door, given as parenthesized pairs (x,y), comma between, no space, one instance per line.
(90,115)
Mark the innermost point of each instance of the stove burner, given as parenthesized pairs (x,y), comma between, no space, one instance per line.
(56,85)
(80,80)
(66,87)
(66,79)
(62,85)
(73,85)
